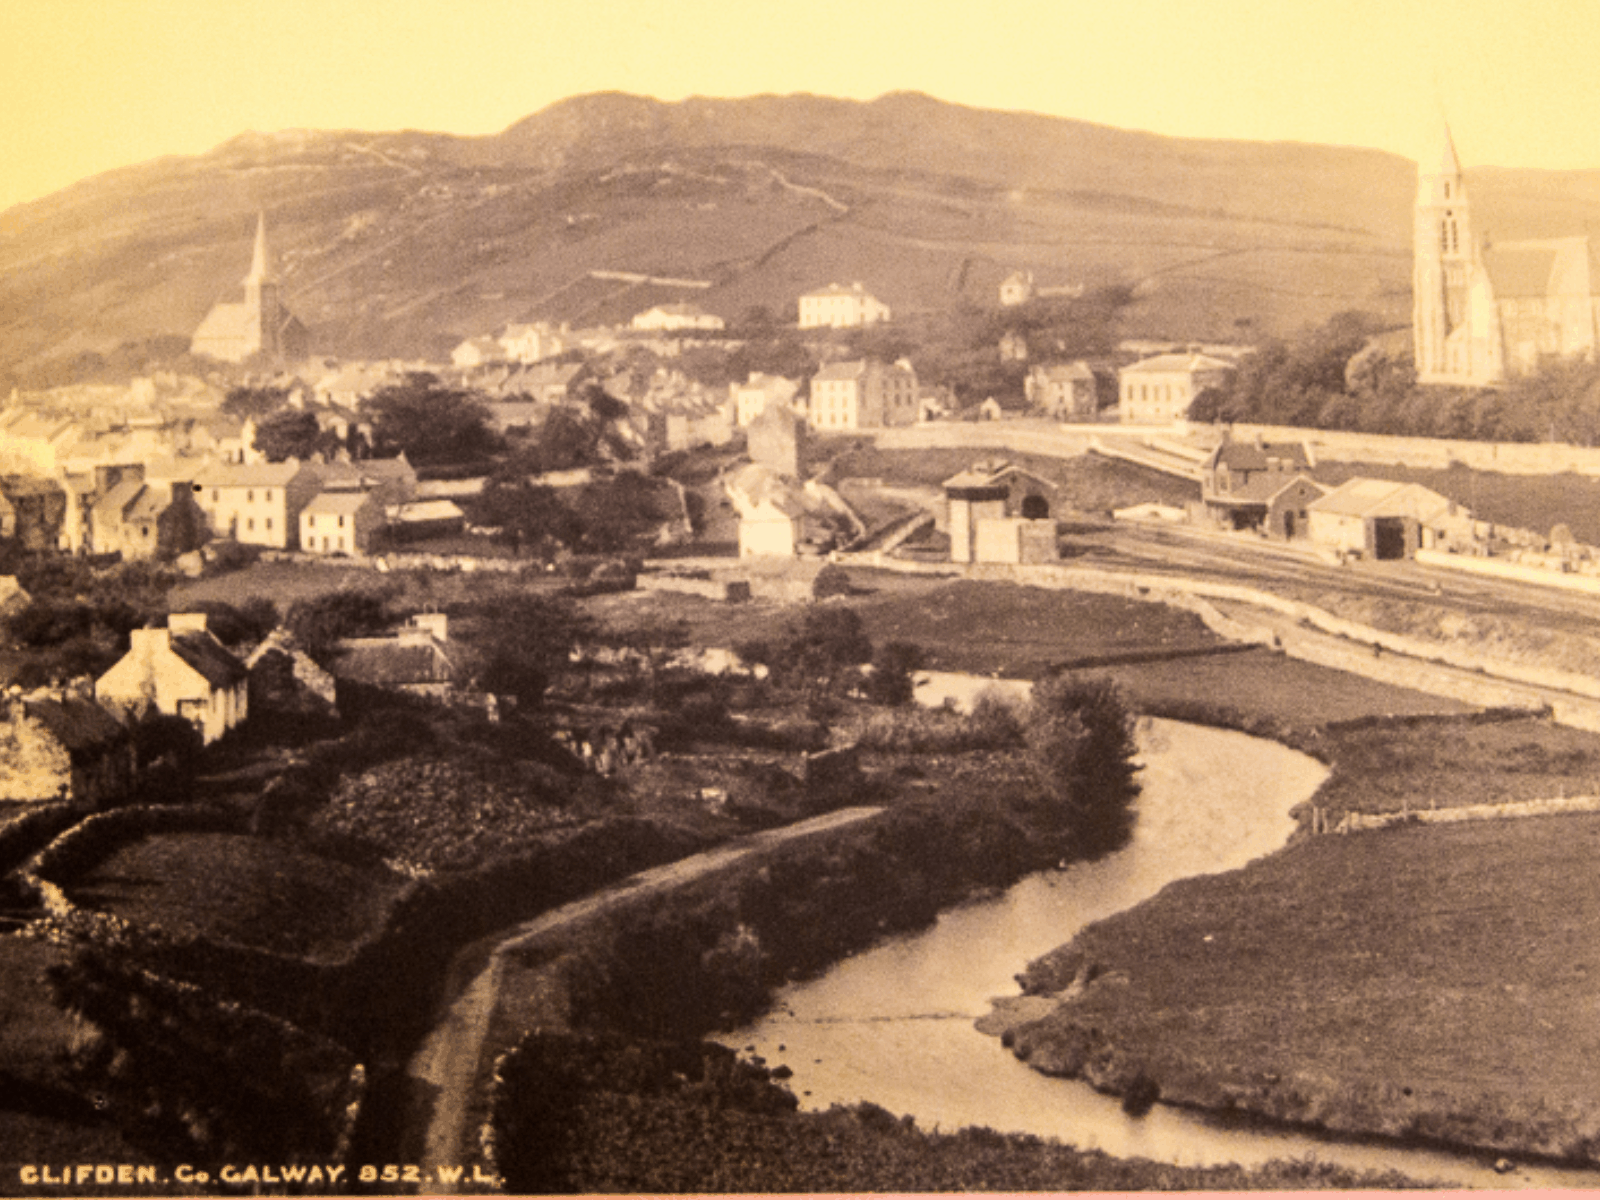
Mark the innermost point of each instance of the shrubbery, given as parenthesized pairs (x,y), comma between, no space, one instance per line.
(1079,735)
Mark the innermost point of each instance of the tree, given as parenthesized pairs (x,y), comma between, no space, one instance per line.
(894,668)
(524,642)
(429,422)
(1079,738)
(321,621)
(243,402)
(292,433)
(532,517)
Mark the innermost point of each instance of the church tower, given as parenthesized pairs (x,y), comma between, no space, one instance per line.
(1441,285)
(261,296)
(256,327)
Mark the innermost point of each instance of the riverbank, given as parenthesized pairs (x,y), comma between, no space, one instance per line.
(1434,984)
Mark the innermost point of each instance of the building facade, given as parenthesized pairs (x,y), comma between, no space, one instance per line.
(836,307)
(1484,311)
(863,394)
(258,325)
(1159,390)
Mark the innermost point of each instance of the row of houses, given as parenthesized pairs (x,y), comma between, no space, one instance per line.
(1267,487)
(74,743)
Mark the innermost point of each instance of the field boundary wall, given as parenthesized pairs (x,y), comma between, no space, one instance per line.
(1500,568)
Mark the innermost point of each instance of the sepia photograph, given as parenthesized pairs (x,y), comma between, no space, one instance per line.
(822,598)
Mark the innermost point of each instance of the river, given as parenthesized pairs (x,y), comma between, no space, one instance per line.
(894,1024)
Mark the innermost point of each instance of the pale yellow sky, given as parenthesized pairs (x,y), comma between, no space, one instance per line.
(95,84)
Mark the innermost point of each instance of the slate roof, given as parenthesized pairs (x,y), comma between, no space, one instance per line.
(210,658)
(390,662)
(1361,497)
(250,474)
(78,724)
(1170,363)
(1248,456)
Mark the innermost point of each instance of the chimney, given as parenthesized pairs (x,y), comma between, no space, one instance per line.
(194,622)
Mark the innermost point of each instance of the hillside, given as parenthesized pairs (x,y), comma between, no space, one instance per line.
(402,243)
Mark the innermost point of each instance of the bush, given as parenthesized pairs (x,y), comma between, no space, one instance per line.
(832,580)
(893,666)
(1079,735)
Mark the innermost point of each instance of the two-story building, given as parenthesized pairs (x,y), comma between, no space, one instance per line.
(677,317)
(863,394)
(836,307)
(1159,390)
(341,523)
(257,503)
(1063,391)
(752,397)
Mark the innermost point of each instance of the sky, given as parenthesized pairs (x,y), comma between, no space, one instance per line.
(90,85)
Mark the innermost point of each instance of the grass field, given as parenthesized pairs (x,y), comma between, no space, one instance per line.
(1436,981)
(246,890)
(1262,682)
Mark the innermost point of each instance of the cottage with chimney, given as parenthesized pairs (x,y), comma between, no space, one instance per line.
(181,670)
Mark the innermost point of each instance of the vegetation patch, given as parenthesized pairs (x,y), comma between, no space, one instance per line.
(1426,982)
(248,891)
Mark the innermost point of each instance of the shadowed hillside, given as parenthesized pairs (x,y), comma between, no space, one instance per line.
(403,243)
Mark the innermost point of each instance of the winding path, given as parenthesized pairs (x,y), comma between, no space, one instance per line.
(451,1065)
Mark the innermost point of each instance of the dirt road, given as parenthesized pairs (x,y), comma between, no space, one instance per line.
(452,1063)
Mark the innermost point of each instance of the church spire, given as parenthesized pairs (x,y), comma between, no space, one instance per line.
(260,265)
(1449,164)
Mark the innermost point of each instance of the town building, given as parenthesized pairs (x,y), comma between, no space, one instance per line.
(863,394)
(56,744)
(1159,390)
(341,523)
(677,317)
(416,659)
(258,503)
(257,326)
(1484,311)
(528,343)
(32,512)
(752,396)
(144,520)
(1016,288)
(836,307)
(1063,391)
(1259,485)
(1382,519)
(181,670)
(994,491)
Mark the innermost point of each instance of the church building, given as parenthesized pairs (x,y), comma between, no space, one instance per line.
(259,325)
(1485,311)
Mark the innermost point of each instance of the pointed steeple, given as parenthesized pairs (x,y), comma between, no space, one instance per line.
(260,266)
(1449,164)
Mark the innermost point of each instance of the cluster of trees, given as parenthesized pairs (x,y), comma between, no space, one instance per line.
(1335,376)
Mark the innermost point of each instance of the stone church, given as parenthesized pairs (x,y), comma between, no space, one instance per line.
(256,327)
(1487,310)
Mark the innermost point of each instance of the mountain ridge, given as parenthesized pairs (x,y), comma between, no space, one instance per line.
(401,243)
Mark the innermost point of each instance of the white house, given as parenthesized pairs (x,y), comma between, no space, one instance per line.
(670,317)
(839,307)
(1159,390)
(751,397)
(182,671)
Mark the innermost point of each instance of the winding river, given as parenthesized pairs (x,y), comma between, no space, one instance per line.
(894,1025)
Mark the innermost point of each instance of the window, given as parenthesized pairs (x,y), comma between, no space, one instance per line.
(250,524)
(216,495)
(341,520)
(311,521)
(268,495)
(269,523)
(250,497)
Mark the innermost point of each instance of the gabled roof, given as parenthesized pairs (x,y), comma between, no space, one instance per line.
(1362,497)
(115,503)
(1262,489)
(851,369)
(78,724)
(210,658)
(338,503)
(835,289)
(1251,456)
(250,474)
(1064,372)
(992,473)
(1170,363)
(392,662)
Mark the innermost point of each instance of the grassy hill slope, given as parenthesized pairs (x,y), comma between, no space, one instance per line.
(404,243)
